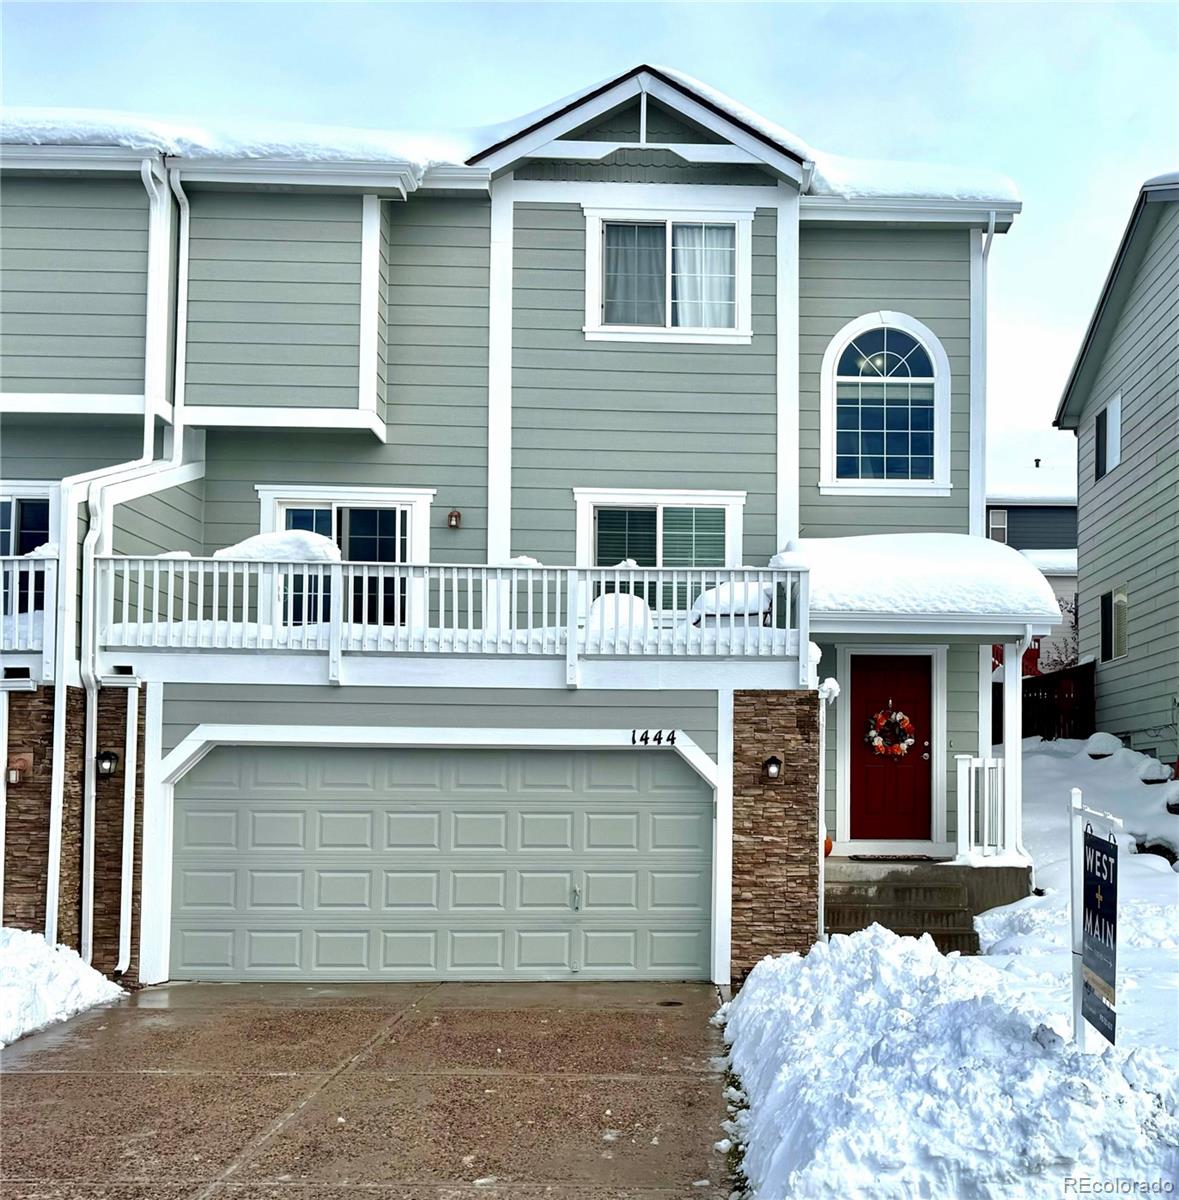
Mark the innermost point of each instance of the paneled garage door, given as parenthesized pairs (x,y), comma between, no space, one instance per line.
(332,864)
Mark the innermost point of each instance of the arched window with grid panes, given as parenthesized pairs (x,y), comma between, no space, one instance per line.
(885,420)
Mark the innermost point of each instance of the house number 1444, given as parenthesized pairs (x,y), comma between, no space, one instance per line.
(652,737)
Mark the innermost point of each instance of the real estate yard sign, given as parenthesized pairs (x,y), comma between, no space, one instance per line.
(1099,956)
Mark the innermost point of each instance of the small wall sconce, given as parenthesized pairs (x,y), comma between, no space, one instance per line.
(14,775)
(454,519)
(19,765)
(107,762)
(771,769)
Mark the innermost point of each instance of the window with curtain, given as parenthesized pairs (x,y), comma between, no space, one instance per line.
(884,417)
(669,274)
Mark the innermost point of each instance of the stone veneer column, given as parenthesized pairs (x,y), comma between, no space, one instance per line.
(775,826)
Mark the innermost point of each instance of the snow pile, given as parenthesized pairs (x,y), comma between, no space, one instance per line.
(1101,745)
(945,574)
(291,545)
(733,599)
(44,550)
(621,611)
(41,984)
(1052,562)
(877,1066)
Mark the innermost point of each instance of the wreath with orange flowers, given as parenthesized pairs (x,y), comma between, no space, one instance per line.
(890,733)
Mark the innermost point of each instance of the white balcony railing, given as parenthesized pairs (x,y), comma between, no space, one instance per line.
(357,608)
(28,603)
(981,823)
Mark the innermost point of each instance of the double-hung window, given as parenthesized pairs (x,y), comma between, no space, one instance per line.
(997,524)
(675,277)
(1114,611)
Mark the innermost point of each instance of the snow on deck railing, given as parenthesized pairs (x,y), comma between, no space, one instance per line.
(28,604)
(981,825)
(185,603)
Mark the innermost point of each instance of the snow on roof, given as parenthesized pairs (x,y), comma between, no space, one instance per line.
(1052,562)
(834,175)
(235,140)
(1013,476)
(922,574)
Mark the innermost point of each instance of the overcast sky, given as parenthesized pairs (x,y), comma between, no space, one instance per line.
(1077,103)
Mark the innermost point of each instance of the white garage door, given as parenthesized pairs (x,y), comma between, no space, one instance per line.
(336,864)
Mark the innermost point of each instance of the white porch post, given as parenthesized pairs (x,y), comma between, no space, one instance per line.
(1012,744)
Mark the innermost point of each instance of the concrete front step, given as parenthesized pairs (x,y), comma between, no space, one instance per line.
(918,895)
(946,940)
(855,916)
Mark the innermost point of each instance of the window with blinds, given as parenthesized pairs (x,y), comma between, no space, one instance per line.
(661,536)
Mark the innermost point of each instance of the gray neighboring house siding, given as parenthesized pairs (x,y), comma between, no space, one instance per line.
(1128,527)
(435,340)
(73,261)
(627,414)
(274,300)
(188,705)
(1040,526)
(844,273)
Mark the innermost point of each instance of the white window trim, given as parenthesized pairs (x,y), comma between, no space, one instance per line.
(938,744)
(939,485)
(36,489)
(1115,589)
(1113,434)
(595,331)
(992,523)
(587,499)
(274,501)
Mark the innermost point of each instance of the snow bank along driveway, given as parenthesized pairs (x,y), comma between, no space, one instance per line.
(41,984)
(876,1066)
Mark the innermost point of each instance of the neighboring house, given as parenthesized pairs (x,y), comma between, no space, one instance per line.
(1122,402)
(644,338)
(1032,506)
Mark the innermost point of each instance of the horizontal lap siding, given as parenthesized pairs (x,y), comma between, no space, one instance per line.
(274,300)
(1128,522)
(439,262)
(1041,527)
(53,448)
(188,705)
(73,285)
(169,520)
(627,415)
(843,274)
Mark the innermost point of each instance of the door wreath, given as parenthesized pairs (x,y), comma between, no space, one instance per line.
(890,733)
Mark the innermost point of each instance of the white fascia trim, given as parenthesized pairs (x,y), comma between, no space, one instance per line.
(162,772)
(107,404)
(787,367)
(499,371)
(370,287)
(387,179)
(978,386)
(80,158)
(247,417)
(595,331)
(909,209)
(450,177)
(586,499)
(697,152)
(966,625)
(829,483)
(939,655)
(273,499)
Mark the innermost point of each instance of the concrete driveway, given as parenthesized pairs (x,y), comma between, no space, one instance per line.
(396,1091)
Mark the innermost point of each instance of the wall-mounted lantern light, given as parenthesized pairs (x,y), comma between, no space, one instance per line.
(14,775)
(19,765)
(454,519)
(107,762)
(771,769)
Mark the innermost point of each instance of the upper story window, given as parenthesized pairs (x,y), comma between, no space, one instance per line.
(997,524)
(1107,438)
(679,277)
(885,419)
(1115,606)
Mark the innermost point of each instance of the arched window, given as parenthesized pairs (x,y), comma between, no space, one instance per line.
(885,420)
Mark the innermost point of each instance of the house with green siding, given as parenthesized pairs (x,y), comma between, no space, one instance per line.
(1122,403)
(515,562)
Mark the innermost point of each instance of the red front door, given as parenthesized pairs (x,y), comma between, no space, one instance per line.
(890,796)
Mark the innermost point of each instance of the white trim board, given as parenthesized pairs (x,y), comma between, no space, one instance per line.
(162,772)
(829,483)
(105,404)
(370,287)
(275,417)
(499,371)
(787,366)
(937,749)
(587,499)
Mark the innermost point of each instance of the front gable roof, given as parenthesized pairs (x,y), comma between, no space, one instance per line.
(1118,283)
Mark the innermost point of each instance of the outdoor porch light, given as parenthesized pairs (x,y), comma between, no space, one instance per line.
(14,775)
(454,519)
(771,769)
(107,762)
